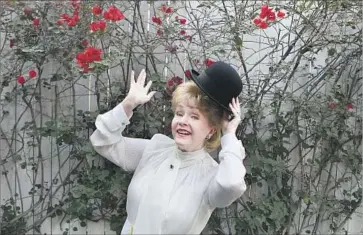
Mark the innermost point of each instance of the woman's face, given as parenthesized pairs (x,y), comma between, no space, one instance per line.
(190,127)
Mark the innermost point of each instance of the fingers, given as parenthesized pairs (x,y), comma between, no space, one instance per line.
(234,111)
(235,108)
(132,78)
(151,94)
(141,78)
(236,103)
(148,85)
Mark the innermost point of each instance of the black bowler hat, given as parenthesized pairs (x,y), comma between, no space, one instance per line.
(220,82)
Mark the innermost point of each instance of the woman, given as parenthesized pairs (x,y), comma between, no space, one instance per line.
(176,183)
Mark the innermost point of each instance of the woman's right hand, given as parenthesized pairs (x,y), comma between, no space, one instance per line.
(139,93)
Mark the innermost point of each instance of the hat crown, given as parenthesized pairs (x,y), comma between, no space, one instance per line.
(220,82)
(225,77)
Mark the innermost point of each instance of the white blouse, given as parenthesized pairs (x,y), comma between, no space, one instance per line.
(171,192)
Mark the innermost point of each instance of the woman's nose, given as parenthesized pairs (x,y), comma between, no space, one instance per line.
(183,120)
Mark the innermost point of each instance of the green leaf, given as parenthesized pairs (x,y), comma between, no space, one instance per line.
(238,41)
(104,62)
(306,199)
(332,51)
(104,174)
(23,165)
(305,145)
(155,77)
(59,212)
(56,77)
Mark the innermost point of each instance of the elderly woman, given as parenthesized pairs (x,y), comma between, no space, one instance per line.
(176,183)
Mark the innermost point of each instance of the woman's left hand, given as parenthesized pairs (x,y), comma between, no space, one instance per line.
(230,126)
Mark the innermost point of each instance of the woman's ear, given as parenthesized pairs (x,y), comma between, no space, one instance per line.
(212,131)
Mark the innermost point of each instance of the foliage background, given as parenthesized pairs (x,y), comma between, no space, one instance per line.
(302,81)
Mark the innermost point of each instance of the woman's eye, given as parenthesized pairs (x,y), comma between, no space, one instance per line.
(178,114)
(195,117)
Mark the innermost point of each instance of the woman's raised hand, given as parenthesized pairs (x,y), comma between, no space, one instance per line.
(139,93)
(230,126)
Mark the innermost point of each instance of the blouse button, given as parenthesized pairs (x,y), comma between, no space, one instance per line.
(171,166)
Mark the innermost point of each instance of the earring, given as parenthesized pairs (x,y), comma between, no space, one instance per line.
(207,137)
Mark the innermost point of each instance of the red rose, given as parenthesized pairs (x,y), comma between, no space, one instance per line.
(271,16)
(263,25)
(182,32)
(36,22)
(257,21)
(264,11)
(72,23)
(172,48)
(32,73)
(170,83)
(349,107)
(21,80)
(102,25)
(28,11)
(156,20)
(75,16)
(188,74)
(12,42)
(183,21)
(81,59)
(93,54)
(113,14)
(331,105)
(66,17)
(166,9)
(208,62)
(280,14)
(84,42)
(163,8)
(97,10)
(90,55)
(97,25)
(60,22)
(177,80)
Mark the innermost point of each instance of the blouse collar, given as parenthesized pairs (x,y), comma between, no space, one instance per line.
(190,158)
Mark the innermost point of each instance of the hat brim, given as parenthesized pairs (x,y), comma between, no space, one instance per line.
(194,77)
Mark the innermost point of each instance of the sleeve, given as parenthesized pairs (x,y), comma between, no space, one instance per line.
(107,140)
(228,184)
